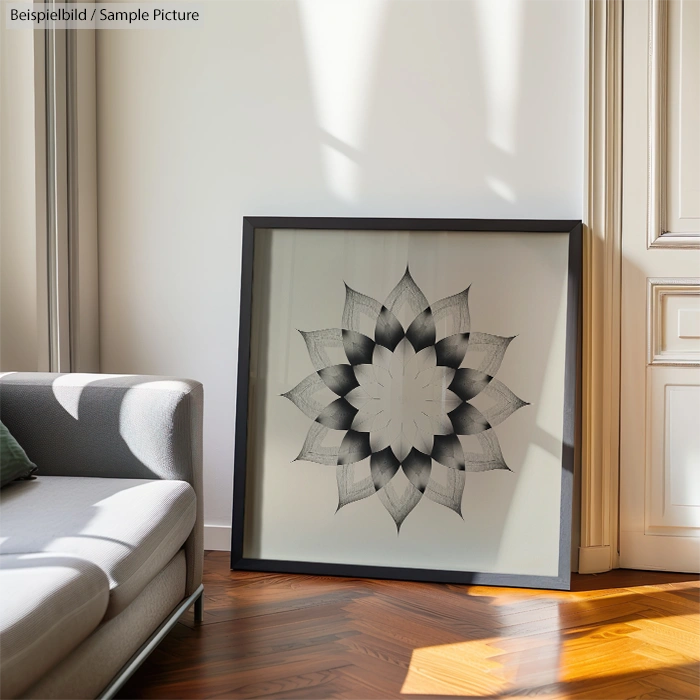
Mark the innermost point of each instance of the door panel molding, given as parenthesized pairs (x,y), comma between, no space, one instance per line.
(659,291)
(657,72)
(602,291)
(671,480)
(658,235)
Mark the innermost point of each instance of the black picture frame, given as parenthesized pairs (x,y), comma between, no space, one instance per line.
(571,414)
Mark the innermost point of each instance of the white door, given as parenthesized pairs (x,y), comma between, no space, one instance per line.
(660,410)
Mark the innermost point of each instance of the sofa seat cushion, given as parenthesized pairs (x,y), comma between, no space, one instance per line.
(130,528)
(50,604)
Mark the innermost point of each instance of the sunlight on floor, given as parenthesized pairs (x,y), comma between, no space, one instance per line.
(519,664)
(456,669)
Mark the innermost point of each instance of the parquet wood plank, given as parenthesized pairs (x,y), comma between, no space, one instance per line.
(436,615)
(608,615)
(216,679)
(637,689)
(232,635)
(288,686)
(574,638)
(661,635)
(615,636)
(400,626)
(677,687)
(377,648)
(406,638)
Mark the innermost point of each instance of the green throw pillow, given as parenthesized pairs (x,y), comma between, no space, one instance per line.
(14,463)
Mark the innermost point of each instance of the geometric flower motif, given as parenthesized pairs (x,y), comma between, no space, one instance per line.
(403,399)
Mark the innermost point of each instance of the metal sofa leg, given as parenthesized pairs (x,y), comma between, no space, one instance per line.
(199,608)
(152,642)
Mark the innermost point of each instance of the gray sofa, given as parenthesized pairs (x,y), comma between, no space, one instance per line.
(102,552)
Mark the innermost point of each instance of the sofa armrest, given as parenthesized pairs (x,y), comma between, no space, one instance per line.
(118,426)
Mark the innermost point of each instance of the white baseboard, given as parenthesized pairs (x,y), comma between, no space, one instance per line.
(217,537)
(594,560)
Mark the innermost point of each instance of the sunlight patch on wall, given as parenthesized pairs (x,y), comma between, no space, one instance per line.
(500,37)
(341,39)
(502,189)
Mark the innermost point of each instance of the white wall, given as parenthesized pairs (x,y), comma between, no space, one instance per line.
(18,255)
(312,107)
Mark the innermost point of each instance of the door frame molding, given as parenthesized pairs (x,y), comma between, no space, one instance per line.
(66,167)
(602,287)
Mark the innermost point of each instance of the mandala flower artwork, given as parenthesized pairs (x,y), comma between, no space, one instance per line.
(401,399)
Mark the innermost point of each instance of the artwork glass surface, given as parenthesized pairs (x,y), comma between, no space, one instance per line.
(406,399)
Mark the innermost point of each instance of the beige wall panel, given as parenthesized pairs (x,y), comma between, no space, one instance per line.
(312,108)
(18,261)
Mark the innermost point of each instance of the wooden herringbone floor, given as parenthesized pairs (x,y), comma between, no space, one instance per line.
(625,634)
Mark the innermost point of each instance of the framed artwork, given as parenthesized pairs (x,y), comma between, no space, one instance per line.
(407,399)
